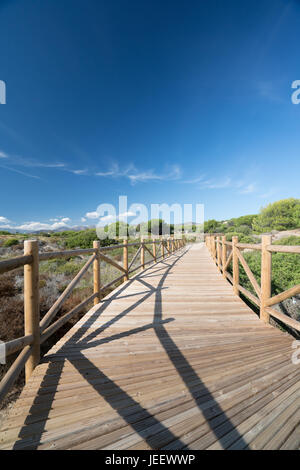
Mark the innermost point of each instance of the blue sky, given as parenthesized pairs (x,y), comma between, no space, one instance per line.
(162,101)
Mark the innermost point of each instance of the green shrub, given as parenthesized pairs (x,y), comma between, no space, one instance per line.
(61,266)
(281,215)
(11,242)
(84,239)
(285,270)
(242,238)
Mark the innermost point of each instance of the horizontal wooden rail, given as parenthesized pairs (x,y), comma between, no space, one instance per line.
(16,345)
(263,299)
(64,254)
(283,248)
(36,331)
(284,318)
(114,247)
(249,246)
(10,264)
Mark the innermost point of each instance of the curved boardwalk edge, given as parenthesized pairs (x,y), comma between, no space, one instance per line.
(169,360)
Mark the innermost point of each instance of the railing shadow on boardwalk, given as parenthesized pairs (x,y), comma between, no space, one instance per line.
(146,425)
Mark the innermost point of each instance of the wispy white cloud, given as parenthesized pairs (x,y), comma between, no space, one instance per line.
(19,171)
(213,184)
(131,172)
(250,188)
(15,162)
(35,164)
(79,172)
(198,179)
(113,172)
(135,175)
(4,220)
(243,187)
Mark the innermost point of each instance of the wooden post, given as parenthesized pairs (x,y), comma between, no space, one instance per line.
(168,246)
(224,254)
(125,259)
(31,304)
(235,266)
(142,255)
(218,253)
(162,248)
(266,276)
(214,248)
(96,272)
(154,250)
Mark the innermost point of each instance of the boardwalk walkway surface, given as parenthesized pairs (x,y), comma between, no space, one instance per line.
(169,360)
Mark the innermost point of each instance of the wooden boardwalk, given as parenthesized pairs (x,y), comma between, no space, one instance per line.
(169,360)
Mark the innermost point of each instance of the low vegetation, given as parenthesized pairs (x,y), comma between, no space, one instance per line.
(279,216)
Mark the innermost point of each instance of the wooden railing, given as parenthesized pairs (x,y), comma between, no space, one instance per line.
(38,331)
(224,253)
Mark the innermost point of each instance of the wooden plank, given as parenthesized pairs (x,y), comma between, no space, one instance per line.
(170,359)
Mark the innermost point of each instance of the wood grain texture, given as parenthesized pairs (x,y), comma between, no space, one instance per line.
(171,359)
